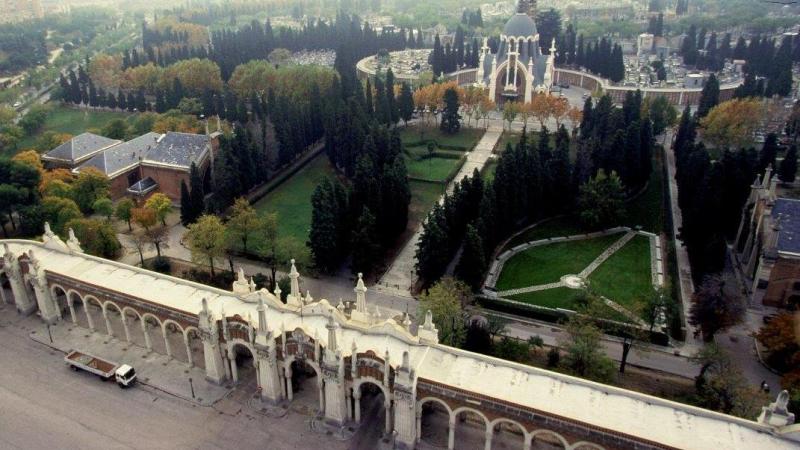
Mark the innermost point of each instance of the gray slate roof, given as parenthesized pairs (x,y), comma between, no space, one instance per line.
(520,24)
(789,212)
(123,155)
(80,146)
(178,149)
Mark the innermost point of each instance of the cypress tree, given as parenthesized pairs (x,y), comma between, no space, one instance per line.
(323,236)
(768,153)
(187,214)
(366,249)
(709,98)
(451,119)
(196,192)
(472,264)
(406,107)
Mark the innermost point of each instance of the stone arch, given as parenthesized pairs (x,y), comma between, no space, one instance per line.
(61,300)
(500,81)
(133,321)
(79,306)
(113,313)
(153,341)
(583,445)
(372,399)
(297,380)
(194,347)
(173,340)
(467,428)
(242,359)
(547,440)
(433,421)
(94,314)
(508,433)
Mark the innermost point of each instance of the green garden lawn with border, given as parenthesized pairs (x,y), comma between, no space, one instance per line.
(548,263)
(625,277)
(466,138)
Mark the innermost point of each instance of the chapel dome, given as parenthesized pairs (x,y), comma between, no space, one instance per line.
(520,25)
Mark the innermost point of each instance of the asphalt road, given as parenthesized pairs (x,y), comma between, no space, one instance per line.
(45,405)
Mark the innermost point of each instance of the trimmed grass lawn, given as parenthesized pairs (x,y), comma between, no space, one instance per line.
(73,121)
(508,137)
(489,170)
(625,276)
(647,210)
(423,197)
(560,226)
(466,138)
(435,169)
(292,199)
(548,263)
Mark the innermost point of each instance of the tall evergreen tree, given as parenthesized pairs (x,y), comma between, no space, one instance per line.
(709,97)
(451,119)
(788,169)
(472,264)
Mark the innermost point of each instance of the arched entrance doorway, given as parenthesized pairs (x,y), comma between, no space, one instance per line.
(371,410)
(60,298)
(304,386)
(433,423)
(242,363)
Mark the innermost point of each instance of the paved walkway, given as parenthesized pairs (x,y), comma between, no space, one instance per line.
(399,279)
(155,370)
(682,256)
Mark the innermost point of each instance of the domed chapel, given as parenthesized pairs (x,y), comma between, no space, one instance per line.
(519,68)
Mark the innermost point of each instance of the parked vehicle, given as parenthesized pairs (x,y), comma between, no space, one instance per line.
(123,374)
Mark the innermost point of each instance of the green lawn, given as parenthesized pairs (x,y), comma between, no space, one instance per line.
(73,121)
(625,276)
(423,197)
(489,170)
(435,168)
(647,210)
(548,263)
(508,137)
(560,226)
(292,199)
(464,139)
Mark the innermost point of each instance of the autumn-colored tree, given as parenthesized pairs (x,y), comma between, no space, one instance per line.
(206,240)
(147,77)
(780,337)
(31,158)
(144,217)
(731,124)
(161,205)
(525,111)
(559,109)
(61,175)
(252,77)
(105,71)
(174,121)
(485,107)
(196,76)
(575,116)
(541,108)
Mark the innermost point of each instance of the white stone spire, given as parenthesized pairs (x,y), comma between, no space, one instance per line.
(331,326)
(361,294)
(294,276)
(262,316)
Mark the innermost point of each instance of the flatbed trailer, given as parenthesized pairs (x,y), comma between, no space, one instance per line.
(106,370)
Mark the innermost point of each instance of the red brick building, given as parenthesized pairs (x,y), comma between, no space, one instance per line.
(154,163)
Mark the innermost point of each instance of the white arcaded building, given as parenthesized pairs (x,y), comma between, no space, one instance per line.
(351,347)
